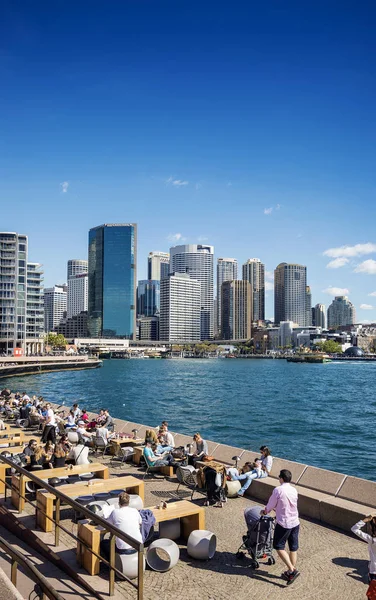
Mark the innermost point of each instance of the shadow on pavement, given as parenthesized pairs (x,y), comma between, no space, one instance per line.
(359,567)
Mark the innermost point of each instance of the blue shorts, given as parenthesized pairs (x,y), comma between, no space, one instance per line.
(283,535)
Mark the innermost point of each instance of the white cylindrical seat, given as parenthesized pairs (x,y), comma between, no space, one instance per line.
(162,555)
(232,488)
(135,501)
(128,564)
(201,544)
(170,529)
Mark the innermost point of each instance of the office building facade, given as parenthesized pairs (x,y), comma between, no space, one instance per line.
(112,281)
(236,315)
(227,270)
(196,260)
(308,306)
(253,271)
(319,316)
(148,298)
(34,309)
(341,312)
(180,311)
(148,328)
(55,307)
(290,289)
(158,265)
(77,297)
(76,266)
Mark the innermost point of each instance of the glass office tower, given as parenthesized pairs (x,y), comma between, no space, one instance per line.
(112,281)
(148,294)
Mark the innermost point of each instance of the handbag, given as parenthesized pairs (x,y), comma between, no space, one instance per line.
(178,452)
(207,458)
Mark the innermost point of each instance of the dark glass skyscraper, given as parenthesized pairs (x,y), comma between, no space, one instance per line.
(112,280)
(148,295)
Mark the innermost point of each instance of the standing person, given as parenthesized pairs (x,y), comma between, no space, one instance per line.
(284,500)
(371,541)
(49,431)
(129,521)
(259,472)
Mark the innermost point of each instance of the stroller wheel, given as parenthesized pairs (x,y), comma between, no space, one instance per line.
(255,564)
(271,561)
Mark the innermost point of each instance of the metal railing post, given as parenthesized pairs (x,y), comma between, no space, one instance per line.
(111,589)
(21,502)
(13,572)
(57,522)
(140,579)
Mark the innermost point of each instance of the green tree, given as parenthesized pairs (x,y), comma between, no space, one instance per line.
(56,340)
(329,346)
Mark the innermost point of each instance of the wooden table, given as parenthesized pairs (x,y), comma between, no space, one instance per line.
(17,439)
(138,450)
(192,517)
(116,443)
(11,431)
(45,500)
(19,485)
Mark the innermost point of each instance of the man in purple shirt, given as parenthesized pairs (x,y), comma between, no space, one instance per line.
(284,500)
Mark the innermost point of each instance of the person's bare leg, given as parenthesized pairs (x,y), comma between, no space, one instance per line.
(293,558)
(286,559)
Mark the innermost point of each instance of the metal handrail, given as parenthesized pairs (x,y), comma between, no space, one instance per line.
(35,575)
(114,531)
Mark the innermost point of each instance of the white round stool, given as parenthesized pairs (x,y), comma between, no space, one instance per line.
(232,488)
(128,564)
(162,555)
(135,501)
(201,544)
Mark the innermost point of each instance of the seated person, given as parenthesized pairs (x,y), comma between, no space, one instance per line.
(151,435)
(109,422)
(58,457)
(84,436)
(84,416)
(201,449)
(166,441)
(38,459)
(30,448)
(156,460)
(65,443)
(252,471)
(80,454)
(104,434)
(129,521)
(71,420)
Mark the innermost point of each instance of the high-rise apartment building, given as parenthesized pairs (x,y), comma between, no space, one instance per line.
(112,281)
(77,299)
(319,316)
(55,307)
(21,305)
(158,265)
(290,289)
(236,315)
(148,298)
(341,312)
(308,306)
(254,272)
(227,270)
(76,266)
(196,260)
(180,313)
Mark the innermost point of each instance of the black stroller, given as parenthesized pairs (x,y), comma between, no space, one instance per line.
(258,541)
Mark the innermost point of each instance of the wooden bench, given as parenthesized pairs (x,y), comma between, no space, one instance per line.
(116,443)
(45,500)
(138,450)
(192,517)
(19,485)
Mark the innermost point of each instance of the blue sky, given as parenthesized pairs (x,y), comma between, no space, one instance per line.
(250,126)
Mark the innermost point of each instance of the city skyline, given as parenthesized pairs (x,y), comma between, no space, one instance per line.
(258,138)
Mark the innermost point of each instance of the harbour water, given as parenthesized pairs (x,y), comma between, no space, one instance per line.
(323,415)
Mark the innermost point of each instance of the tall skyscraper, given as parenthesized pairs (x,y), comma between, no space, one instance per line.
(180,314)
(308,306)
(158,265)
(227,270)
(319,312)
(77,299)
(197,261)
(236,310)
(76,266)
(290,283)
(112,280)
(21,303)
(55,307)
(254,272)
(341,312)
(148,298)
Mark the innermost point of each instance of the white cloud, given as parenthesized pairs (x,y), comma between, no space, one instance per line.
(351,251)
(64,186)
(176,182)
(336,291)
(176,237)
(268,211)
(366,307)
(372,294)
(367,266)
(337,263)
(269,275)
(269,285)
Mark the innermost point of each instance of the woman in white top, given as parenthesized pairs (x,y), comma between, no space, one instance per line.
(371,541)
(259,473)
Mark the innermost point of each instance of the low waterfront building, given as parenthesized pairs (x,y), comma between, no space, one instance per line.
(341,312)
(103,344)
(75,327)
(180,312)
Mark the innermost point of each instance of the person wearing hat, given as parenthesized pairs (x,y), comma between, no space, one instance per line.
(85,437)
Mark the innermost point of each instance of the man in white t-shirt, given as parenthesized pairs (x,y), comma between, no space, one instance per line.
(49,431)
(83,435)
(129,521)
(80,453)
